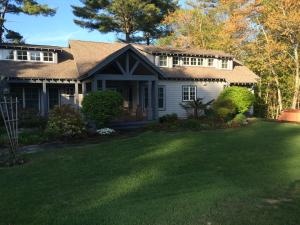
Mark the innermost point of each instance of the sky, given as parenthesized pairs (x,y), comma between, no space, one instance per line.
(56,30)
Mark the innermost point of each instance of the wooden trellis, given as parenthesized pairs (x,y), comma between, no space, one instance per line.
(9,112)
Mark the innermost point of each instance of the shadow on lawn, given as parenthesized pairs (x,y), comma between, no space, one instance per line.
(220,176)
(221,168)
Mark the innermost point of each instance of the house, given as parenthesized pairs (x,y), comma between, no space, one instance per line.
(153,79)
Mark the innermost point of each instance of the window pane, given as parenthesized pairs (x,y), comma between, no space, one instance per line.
(53,97)
(35,56)
(161,97)
(48,56)
(175,61)
(200,61)
(210,62)
(224,64)
(193,61)
(163,60)
(22,55)
(186,60)
(188,93)
(32,98)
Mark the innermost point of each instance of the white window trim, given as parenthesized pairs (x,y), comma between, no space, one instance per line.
(159,60)
(189,92)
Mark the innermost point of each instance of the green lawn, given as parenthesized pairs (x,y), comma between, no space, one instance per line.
(237,176)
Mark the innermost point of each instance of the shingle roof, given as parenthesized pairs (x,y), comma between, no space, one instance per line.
(182,51)
(83,56)
(65,69)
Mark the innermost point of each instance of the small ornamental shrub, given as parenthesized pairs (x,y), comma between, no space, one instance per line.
(30,118)
(65,121)
(241,98)
(102,106)
(239,120)
(169,118)
(224,109)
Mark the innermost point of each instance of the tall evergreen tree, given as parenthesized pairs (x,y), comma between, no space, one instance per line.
(130,17)
(28,7)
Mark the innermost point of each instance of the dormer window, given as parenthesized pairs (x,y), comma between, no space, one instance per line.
(163,60)
(175,61)
(22,55)
(193,61)
(48,56)
(186,61)
(224,64)
(200,61)
(10,55)
(35,56)
(210,62)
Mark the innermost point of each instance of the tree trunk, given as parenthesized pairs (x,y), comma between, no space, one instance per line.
(279,96)
(296,87)
(127,38)
(2,20)
(148,40)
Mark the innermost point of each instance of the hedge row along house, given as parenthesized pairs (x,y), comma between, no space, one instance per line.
(152,80)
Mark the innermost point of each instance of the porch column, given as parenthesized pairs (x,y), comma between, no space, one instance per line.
(103,85)
(149,110)
(94,85)
(44,99)
(83,88)
(155,100)
(76,95)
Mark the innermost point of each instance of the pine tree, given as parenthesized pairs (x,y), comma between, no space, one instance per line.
(130,17)
(28,7)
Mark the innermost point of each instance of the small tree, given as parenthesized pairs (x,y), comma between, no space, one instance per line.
(197,106)
(240,97)
(102,106)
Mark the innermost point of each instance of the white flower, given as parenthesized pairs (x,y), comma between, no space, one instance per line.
(105,131)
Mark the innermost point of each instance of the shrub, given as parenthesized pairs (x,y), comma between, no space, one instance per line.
(197,106)
(238,120)
(169,118)
(30,118)
(65,121)
(241,98)
(224,109)
(194,124)
(102,106)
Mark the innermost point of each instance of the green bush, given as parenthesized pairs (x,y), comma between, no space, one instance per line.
(238,120)
(224,109)
(102,106)
(194,124)
(65,121)
(29,118)
(241,98)
(169,118)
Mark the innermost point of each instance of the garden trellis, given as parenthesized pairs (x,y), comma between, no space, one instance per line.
(9,112)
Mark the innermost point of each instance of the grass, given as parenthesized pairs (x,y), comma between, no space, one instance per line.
(235,176)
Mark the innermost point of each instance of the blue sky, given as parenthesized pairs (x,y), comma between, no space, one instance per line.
(55,30)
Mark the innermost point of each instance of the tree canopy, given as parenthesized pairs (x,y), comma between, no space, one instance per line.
(28,7)
(138,20)
(264,34)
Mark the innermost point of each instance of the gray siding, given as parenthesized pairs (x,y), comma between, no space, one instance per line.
(205,90)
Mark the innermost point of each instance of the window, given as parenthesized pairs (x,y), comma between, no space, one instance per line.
(22,55)
(175,61)
(210,62)
(161,97)
(224,64)
(193,61)
(88,87)
(186,60)
(32,98)
(189,92)
(200,61)
(53,97)
(163,60)
(99,85)
(35,56)
(7,54)
(48,56)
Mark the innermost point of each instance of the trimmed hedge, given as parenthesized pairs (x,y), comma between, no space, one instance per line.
(102,106)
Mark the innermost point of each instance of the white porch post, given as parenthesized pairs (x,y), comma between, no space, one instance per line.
(155,110)
(149,110)
(103,85)
(44,103)
(76,95)
(83,88)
